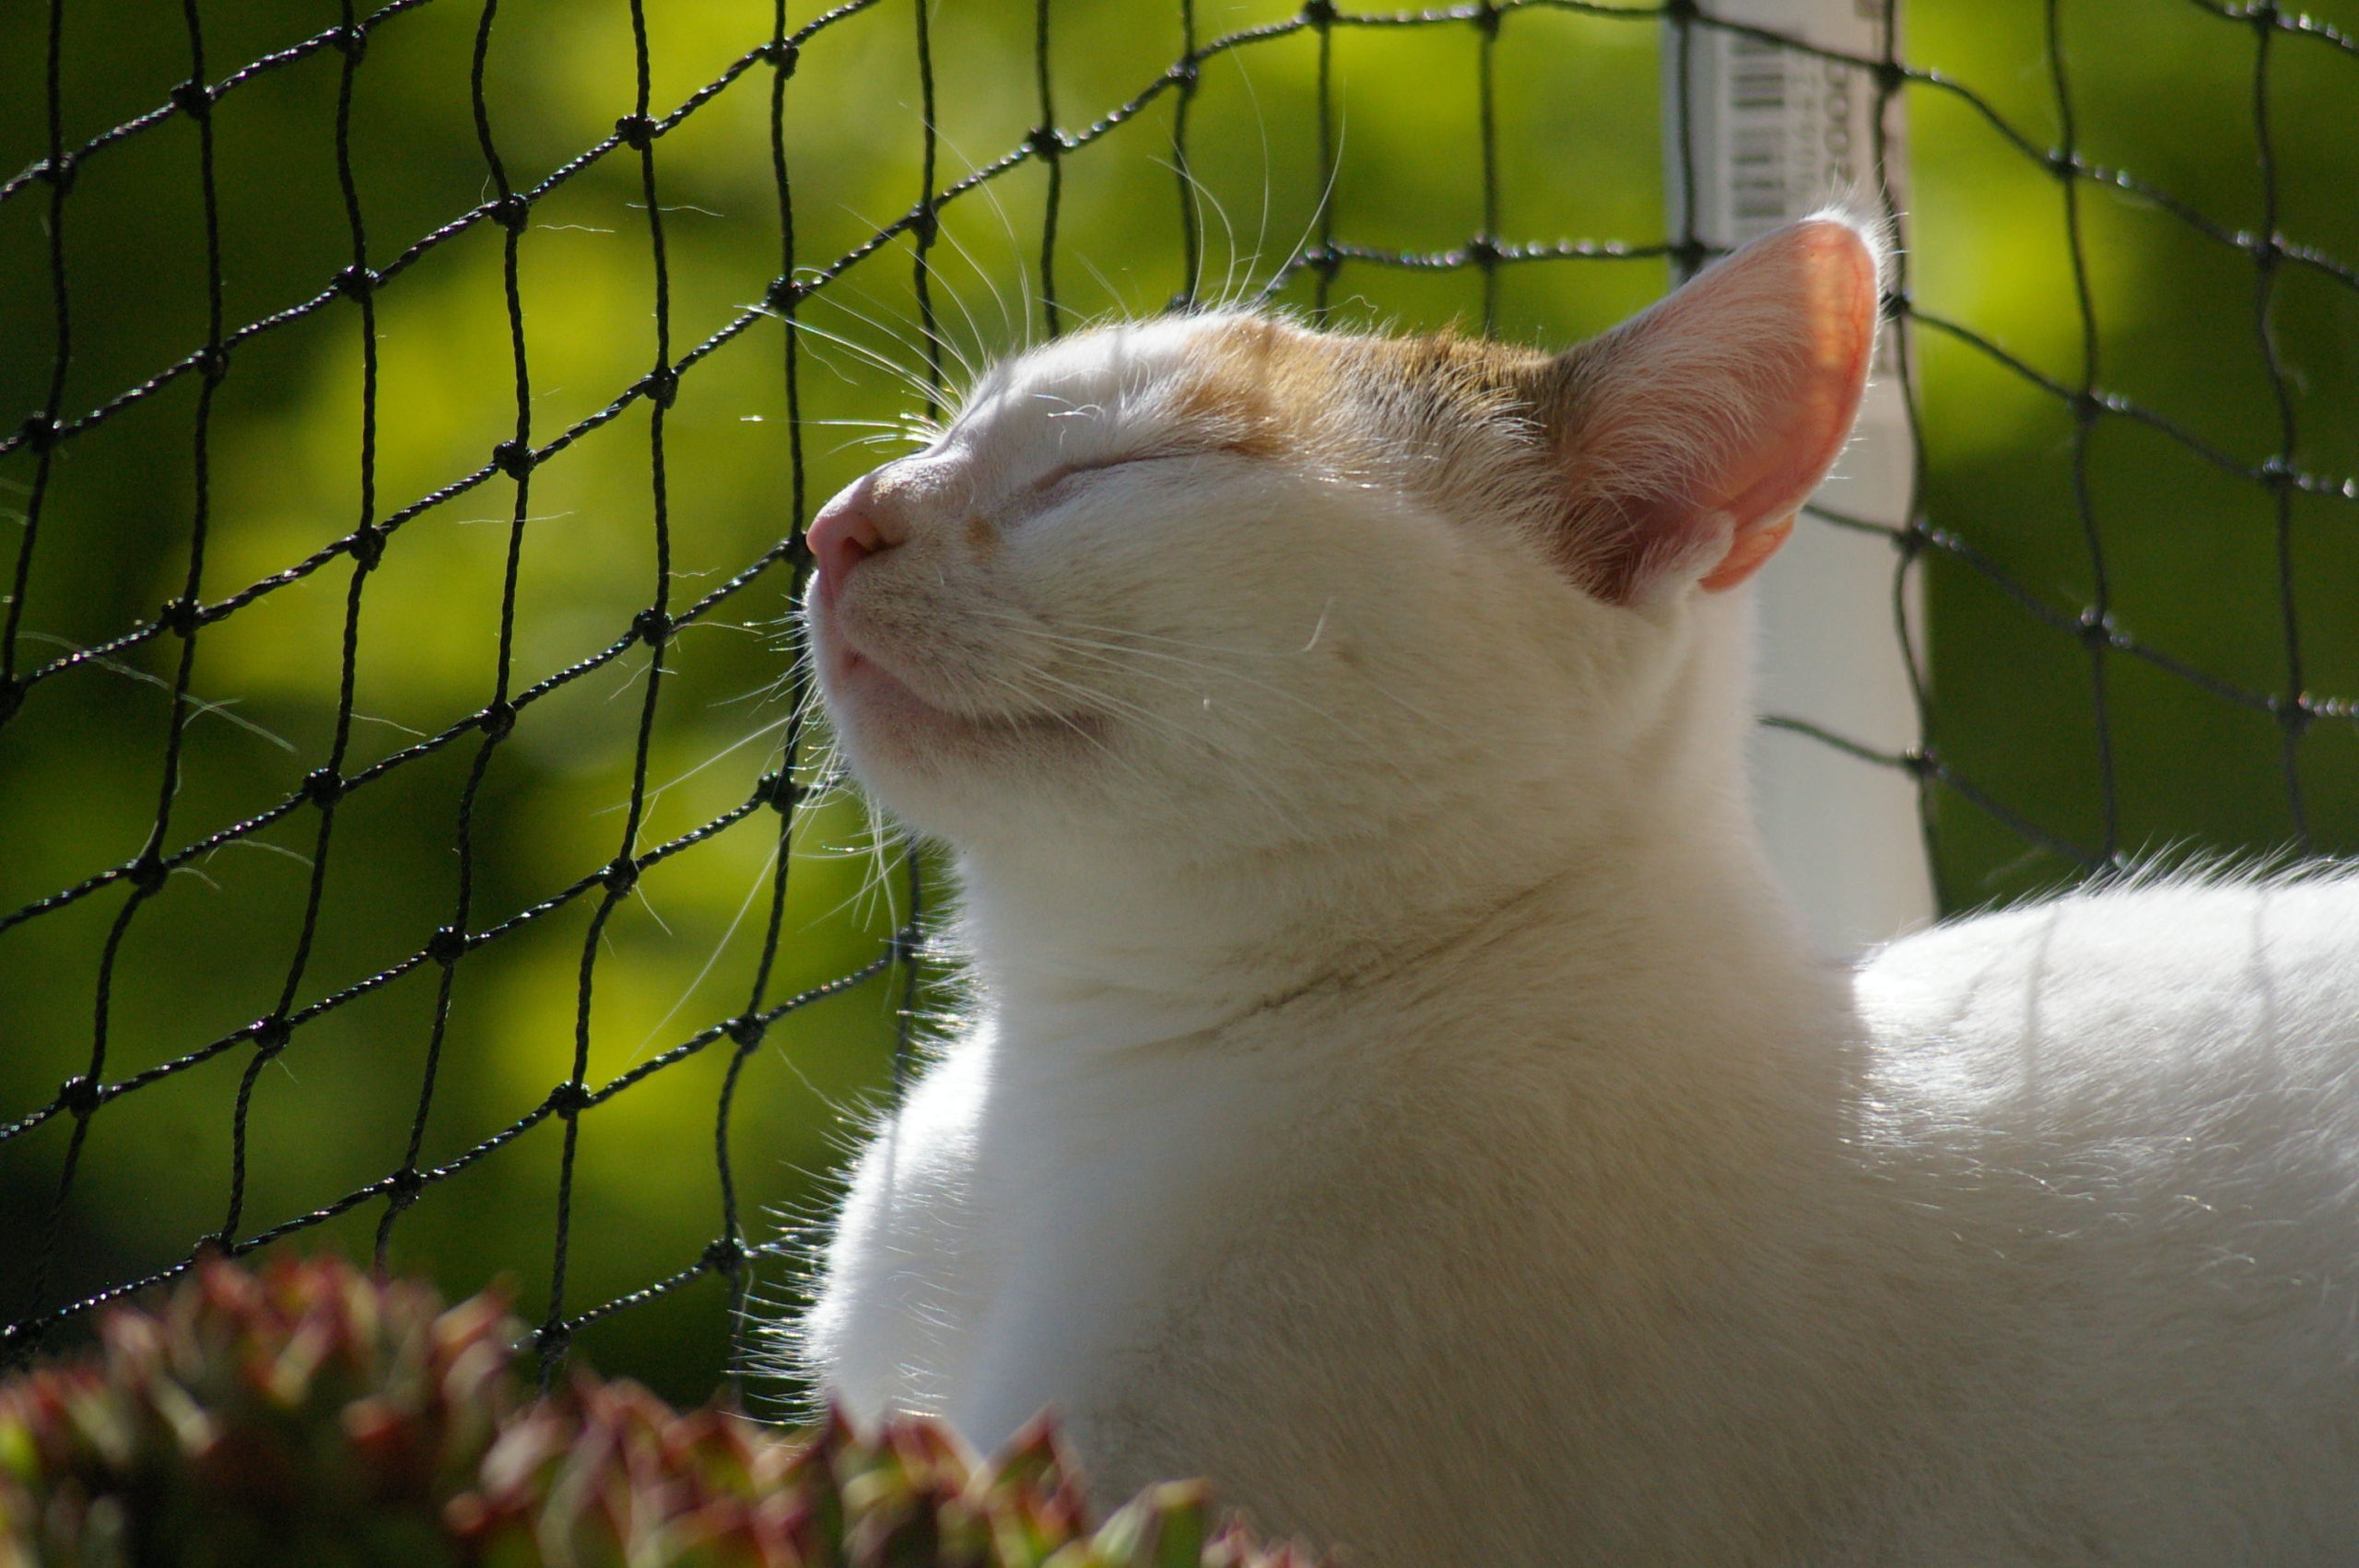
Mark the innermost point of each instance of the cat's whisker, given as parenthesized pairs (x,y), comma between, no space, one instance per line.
(928,343)
(875,359)
(967,373)
(1012,333)
(885,324)
(1101,701)
(1105,648)
(1411,709)
(752,892)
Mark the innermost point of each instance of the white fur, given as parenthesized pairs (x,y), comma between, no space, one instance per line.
(1400,1093)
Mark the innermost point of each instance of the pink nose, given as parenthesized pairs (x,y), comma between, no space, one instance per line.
(852,527)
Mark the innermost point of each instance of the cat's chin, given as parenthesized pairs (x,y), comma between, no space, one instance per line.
(893,729)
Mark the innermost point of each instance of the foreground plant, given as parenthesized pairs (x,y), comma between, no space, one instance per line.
(311,1415)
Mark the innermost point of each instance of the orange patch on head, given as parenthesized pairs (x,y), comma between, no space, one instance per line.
(981,533)
(1257,387)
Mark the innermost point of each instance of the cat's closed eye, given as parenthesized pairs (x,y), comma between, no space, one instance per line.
(1063,472)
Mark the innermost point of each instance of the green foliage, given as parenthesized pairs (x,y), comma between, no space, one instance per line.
(310,1415)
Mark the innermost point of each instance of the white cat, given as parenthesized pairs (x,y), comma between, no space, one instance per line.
(1397,1090)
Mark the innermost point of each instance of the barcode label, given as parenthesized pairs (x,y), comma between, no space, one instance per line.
(1772,133)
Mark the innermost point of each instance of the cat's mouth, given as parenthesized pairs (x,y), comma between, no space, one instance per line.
(885,706)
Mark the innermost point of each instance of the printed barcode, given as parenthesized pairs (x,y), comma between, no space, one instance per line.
(1756,145)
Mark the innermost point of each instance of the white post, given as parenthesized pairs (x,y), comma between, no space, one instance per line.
(1773,134)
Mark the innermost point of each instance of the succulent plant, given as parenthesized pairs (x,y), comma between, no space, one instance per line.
(311,1415)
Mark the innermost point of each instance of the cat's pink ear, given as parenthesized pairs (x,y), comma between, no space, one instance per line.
(1689,435)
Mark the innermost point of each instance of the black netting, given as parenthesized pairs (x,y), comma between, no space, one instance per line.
(64,1262)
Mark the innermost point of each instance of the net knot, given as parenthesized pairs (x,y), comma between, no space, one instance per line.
(1326,260)
(902,946)
(2295,714)
(148,872)
(783,293)
(2061,163)
(568,1099)
(778,791)
(798,552)
(194,99)
(40,430)
(353,41)
(621,876)
(402,1187)
(1487,18)
(2279,475)
(367,545)
(2087,406)
(724,1257)
(747,1032)
(2267,252)
(1680,12)
(447,945)
(213,363)
(2096,631)
(180,615)
(1890,77)
(1318,13)
(1920,762)
(784,54)
(80,1094)
(2263,16)
(1910,538)
(651,626)
(324,786)
(1690,254)
(1186,71)
(663,384)
(1483,250)
(1895,304)
(551,1340)
(11,697)
(271,1034)
(635,129)
(925,225)
(1046,142)
(498,720)
(515,459)
(510,211)
(58,172)
(356,282)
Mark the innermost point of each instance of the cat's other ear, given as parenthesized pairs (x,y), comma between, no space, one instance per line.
(1688,436)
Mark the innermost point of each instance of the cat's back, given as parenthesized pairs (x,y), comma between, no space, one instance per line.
(2178,1057)
(2103,1009)
(2133,1118)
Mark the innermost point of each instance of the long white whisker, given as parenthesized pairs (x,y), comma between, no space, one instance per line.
(1009,330)
(1068,640)
(719,948)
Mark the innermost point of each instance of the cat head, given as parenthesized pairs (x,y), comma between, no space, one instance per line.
(1219,584)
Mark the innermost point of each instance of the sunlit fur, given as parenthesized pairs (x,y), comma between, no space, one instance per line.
(1398,1092)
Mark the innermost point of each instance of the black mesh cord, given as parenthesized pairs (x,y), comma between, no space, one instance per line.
(654,626)
(1192,241)
(479,915)
(39,425)
(2097,621)
(1328,262)
(2294,713)
(148,876)
(1049,144)
(1485,248)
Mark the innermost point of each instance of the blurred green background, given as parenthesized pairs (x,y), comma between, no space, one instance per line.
(2162,87)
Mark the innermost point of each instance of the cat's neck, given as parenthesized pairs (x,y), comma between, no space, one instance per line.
(1644,890)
